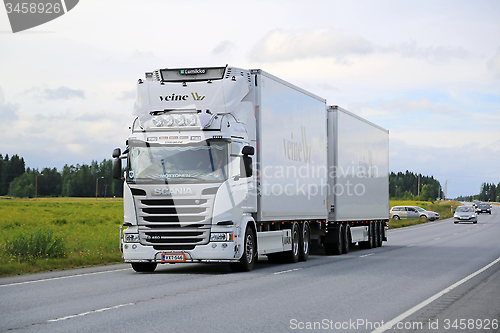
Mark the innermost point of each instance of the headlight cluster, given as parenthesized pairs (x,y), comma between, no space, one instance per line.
(175,120)
(221,237)
(131,238)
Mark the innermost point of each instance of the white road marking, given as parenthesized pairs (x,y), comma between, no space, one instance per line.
(288,271)
(393,322)
(61,277)
(366,255)
(89,312)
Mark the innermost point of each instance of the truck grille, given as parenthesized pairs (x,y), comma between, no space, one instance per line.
(174,223)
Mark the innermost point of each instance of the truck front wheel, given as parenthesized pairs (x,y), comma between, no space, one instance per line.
(249,253)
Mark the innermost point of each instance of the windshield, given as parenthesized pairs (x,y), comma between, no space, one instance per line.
(420,209)
(176,164)
(465,209)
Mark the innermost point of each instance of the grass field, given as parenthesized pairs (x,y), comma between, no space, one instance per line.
(88,230)
(67,233)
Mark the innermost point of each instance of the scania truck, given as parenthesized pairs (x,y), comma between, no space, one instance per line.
(226,164)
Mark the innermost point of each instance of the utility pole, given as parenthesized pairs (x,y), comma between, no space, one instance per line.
(418,186)
(446,188)
(96,186)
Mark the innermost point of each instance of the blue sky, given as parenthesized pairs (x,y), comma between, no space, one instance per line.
(427,71)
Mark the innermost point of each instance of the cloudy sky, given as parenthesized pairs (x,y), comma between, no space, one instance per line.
(428,71)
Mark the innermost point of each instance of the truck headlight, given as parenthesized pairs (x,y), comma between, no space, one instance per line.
(221,237)
(131,238)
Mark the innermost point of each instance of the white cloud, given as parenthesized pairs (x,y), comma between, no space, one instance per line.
(280,45)
(438,54)
(494,64)
(224,47)
(8,111)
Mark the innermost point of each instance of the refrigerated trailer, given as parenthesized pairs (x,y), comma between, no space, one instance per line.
(226,164)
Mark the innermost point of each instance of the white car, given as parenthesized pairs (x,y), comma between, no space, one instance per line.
(427,214)
(465,214)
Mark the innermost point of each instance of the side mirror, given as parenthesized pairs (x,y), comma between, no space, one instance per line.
(248,150)
(117,169)
(117,152)
(246,166)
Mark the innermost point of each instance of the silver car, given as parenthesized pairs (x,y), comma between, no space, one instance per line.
(465,214)
(403,212)
(427,214)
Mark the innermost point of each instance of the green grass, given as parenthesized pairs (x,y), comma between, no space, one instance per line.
(444,208)
(58,233)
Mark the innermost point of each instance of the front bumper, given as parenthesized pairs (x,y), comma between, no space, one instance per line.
(211,252)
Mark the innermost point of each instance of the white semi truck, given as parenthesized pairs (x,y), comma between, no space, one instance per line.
(225,164)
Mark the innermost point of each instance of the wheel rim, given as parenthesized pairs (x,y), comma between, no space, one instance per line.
(249,248)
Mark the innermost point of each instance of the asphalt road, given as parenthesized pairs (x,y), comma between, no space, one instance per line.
(424,279)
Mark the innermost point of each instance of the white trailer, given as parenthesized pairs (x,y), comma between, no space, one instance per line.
(225,164)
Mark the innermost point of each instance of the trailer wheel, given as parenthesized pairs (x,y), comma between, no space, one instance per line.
(144,267)
(335,248)
(305,241)
(347,239)
(375,234)
(249,253)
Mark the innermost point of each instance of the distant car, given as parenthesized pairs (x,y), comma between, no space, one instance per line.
(465,214)
(483,208)
(403,212)
(427,214)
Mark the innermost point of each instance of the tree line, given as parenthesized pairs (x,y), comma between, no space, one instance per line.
(489,192)
(73,181)
(410,186)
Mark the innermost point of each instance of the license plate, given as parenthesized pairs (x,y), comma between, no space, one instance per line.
(173,257)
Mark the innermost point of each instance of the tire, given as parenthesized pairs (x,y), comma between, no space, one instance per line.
(144,267)
(335,248)
(249,253)
(293,255)
(456,222)
(423,218)
(375,234)
(347,239)
(305,242)
(396,217)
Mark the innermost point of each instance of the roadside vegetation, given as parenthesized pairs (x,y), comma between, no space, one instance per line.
(46,234)
(444,208)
